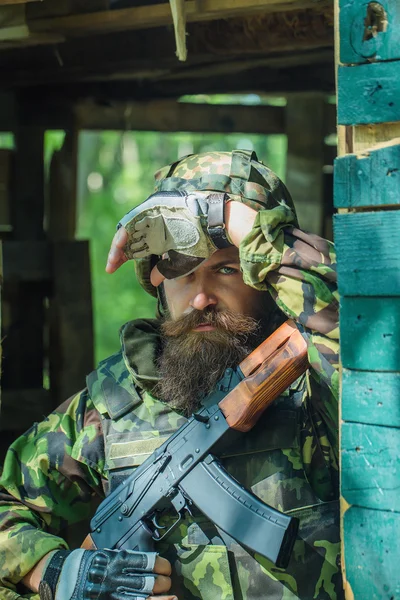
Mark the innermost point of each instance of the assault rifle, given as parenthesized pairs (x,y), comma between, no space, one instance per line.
(182,472)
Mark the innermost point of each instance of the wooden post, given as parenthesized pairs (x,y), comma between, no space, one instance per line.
(179,19)
(71,353)
(367,176)
(24,340)
(23,295)
(305,131)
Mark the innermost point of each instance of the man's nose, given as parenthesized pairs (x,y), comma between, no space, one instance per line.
(202,296)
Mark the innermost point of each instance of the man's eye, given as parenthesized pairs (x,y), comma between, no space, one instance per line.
(227,270)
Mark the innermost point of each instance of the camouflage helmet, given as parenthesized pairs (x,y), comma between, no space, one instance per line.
(238,173)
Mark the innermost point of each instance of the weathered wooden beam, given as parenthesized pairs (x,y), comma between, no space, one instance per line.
(371,398)
(366,248)
(263,80)
(375,535)
(370,31)
(305,132)
(26,261)
(371,470)
(370,301)
(143,17)
(62,204)
(369,94)
(370,178)
(179,18)
(71,353)
(167,115)
(370,332)
(24,340)
(6,158)
(7,2)
(22,407)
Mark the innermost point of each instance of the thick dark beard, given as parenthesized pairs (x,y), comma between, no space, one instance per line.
(191,362)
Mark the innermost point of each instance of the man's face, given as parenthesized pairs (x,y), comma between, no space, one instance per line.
(214,321)
(216,284)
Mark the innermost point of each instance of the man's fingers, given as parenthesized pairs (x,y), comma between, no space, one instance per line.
(120,238)
(116,256)
(162,566)
(155,277)
(162,598)
(114,262)
(162,584)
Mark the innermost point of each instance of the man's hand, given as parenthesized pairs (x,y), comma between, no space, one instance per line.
(239,219)
(105,574)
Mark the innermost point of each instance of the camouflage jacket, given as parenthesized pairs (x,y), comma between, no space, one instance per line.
(56,473)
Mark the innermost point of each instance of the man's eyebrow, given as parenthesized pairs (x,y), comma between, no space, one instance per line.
(225,263)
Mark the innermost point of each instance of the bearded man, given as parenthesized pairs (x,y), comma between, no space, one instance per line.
(218,244)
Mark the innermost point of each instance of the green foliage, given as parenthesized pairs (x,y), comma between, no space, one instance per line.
(116,173)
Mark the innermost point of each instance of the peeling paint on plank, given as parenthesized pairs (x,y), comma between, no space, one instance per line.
(369,31)
(370,333)
(369,93)
(371,554)
(370,462)
(367,246)
(371,398)
(369,180)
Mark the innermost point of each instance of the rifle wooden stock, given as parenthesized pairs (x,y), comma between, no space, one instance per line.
(269,370)
(88,543)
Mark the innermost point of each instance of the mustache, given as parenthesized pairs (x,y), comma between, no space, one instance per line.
(227,321)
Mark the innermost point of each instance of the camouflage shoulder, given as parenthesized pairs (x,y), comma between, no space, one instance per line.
(111,387)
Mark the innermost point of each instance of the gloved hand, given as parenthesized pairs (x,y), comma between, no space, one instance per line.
(186,227)
(105,575)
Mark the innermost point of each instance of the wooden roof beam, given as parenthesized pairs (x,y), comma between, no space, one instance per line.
(7,2)
(169,115)
(144,17)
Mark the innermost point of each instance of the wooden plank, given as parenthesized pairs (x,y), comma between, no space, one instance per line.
(371,553)
(5,2)
(26,261)
(13,24)
(7,111)
(71,322)
(371,398)
(369,31)
(1,316)
(369,93)
(370,466)
(41,10)
(368,260)
(6,157)
(157,15)
(27,209)
(62,205)
(373,136)
(370,333)
(305,132)
(23,345)
(370,179)
(169,115)
(179,18)
(22,407)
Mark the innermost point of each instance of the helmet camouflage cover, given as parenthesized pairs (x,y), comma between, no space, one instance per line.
(239,174)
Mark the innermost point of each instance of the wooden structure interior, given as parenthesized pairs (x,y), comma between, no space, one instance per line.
(125,64)
(102,64)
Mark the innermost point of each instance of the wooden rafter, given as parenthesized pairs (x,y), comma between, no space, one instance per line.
(179,18)
(142,17)
(7,2)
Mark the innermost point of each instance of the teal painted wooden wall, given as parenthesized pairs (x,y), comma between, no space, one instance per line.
(370,39)
(368,249)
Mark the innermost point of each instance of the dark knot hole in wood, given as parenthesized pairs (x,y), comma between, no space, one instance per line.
(375,22)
